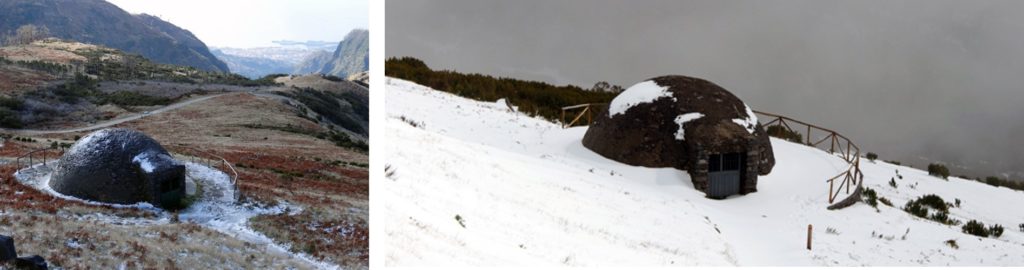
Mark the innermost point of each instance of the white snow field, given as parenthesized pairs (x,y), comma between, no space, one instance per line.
(471,183)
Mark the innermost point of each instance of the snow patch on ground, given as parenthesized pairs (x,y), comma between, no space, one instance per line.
(749,123)
(643,92)
(683,119)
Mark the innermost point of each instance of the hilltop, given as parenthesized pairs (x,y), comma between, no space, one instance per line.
(102,23)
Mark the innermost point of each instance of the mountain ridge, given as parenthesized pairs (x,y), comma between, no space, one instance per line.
(102,23)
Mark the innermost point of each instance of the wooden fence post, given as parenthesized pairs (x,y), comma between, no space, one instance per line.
(808,135)
(809,229)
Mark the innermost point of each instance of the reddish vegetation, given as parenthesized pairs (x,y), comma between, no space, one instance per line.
(323,239)
(15,81)
(16,196)
(266,174)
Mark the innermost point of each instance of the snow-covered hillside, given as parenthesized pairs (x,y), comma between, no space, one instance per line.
(471,183)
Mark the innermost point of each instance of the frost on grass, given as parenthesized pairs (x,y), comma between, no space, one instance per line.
(748,123)
(683,119)
(643,92)
(215,210)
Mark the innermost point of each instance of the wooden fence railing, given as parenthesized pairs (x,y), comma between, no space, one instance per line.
(848,151)
(36,154)
(210,159)
(581,111)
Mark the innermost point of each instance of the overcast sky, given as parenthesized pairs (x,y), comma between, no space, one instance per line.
(942,79)
(255,23)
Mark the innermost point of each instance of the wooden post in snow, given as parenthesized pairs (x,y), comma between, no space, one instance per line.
(809,230)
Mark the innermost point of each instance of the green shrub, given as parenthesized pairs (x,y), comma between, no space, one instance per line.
(996,230)
(934,201)
(782,132)
(1002,182)
(938,170)
(885,201)
(870,197)
(9,118)
(976,228)
(12,103)
(872,156)
(919,207)
(128,98)
(332,78)
(329,106)
(916,209)
(940,217)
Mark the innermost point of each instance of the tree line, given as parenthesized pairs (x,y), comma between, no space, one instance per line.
(532,97)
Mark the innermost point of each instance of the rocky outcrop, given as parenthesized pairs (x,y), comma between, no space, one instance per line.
(120,166)
(7,251)
(8,255)
(352,56)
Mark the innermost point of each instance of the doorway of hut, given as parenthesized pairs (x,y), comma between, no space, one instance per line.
(724,174)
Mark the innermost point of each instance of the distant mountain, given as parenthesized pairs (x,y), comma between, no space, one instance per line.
(352,56)
(100,22)
(258,62)
(311,44)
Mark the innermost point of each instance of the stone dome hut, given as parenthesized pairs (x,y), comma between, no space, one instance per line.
(120,166)
(688,124)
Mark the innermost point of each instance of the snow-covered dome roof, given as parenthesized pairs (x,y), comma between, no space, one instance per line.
(119,166)
(663,121)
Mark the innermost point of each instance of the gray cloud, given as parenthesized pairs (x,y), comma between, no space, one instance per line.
(906,79)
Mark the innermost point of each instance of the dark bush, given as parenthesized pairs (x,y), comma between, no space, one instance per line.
(870,197)
(127,98)
(785,133)
(885,201)
(996,230)
(916,209)
(892,182)
(12,103)
(938,170)
(872,156)
(919,207)
(893,162)
(333,78)
(934,201)
(976,228)
(1001,182)
(329,105)
(9,118)
(940,217)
